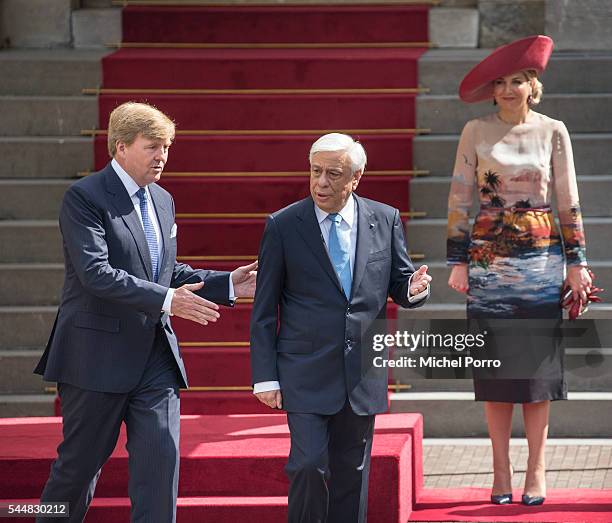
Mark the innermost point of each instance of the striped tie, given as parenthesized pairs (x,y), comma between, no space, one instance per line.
(149,231)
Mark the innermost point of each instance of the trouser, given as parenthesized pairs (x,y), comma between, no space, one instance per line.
(91,423)
(328,466)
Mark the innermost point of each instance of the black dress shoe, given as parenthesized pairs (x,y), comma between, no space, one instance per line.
(501,499)
(532,501)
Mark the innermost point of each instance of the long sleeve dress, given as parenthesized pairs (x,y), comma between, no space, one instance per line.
(515,253)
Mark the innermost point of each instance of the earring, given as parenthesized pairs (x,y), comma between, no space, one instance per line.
(529,100)
(494,101)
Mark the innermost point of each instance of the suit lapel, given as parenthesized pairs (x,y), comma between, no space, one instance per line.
(122,202)
(366,228)
(309,230)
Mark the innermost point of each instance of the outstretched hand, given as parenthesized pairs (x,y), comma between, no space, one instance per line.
(186,304)
(420,281)
(243,279)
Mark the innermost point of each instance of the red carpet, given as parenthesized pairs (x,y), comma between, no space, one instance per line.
(275,112)
(284,24)
(221,456)
(471,504)
(244,153)
(261,68)
(264,195)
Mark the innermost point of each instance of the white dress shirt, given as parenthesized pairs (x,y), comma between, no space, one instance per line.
(349,221)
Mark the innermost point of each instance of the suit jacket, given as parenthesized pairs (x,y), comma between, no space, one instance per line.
(304,332)
(110,306)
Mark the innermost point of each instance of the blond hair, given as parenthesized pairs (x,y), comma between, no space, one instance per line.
(130,119)
(536,86)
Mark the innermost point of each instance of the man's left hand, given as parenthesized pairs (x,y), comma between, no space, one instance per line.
(420,280)
(243,279)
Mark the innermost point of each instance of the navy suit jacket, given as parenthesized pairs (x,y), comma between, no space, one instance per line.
(304,332)
(110,306)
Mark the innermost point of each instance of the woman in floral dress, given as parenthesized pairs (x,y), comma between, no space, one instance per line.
(512,262)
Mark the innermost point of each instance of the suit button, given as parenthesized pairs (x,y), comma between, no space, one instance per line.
(348,311)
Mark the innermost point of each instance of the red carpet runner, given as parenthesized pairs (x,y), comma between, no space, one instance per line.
(231,468)
(250,89)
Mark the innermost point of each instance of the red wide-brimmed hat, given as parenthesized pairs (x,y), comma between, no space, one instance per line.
(532,52)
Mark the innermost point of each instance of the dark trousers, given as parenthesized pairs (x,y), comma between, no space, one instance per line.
(91,423)
(328,467)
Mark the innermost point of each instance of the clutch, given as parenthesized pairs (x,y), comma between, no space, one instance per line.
(575,306)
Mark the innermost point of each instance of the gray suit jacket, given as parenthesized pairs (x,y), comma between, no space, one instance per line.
(110,307)
(304,332)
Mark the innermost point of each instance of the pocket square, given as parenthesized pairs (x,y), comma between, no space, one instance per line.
(173,231)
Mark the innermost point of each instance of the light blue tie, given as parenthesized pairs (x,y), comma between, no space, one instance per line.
(339,245)
(149,231)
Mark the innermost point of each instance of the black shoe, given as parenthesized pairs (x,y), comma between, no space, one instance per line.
(532,501)
(501,499)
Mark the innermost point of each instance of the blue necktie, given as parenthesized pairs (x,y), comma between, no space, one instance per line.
(149,231)
(339,245)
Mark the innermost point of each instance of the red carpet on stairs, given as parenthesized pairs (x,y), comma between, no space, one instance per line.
(231,467)
(261,68)
(265,195)
(282,111)
(281,152)
(276,24)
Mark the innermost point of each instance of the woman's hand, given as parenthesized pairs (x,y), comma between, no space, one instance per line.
(579,280)
(458,279)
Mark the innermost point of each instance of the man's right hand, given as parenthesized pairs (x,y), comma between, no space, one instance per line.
(271,398)
(186,304)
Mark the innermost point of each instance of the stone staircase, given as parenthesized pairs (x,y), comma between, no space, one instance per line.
(43,113)
(577,91)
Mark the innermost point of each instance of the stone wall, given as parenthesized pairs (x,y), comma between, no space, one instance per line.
(580,24)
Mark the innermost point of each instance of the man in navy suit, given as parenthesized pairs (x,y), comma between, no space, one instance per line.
(112,349)
(326,267)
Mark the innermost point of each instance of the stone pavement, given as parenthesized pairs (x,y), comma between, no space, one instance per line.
(467,463)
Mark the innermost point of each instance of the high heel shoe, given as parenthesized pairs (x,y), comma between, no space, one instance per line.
(501,499)
(532,501)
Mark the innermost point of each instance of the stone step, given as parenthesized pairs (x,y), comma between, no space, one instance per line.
(47,115)
(36,241)
(49,72)
(25,284)
(17,376)
(20,405)
(32,199)
(429,237)
(567,72)
(436,153)
(581,113)
(430,194)
(44,157)
(457,415)
(25,327)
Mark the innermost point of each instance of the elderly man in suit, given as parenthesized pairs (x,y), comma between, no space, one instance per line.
(326,267)
(112,349)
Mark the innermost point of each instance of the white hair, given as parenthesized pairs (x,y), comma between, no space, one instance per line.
(341,142)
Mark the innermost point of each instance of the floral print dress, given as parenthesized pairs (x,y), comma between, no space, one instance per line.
(515,253)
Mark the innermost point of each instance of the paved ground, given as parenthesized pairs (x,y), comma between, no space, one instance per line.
(467,463)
